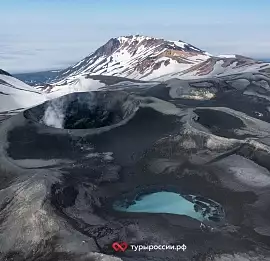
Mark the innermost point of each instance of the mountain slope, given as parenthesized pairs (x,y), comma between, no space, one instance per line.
(220,66)
(16,95)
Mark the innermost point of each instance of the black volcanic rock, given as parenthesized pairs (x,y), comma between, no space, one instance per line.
(63,182)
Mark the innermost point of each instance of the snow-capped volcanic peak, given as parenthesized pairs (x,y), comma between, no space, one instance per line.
(136,57)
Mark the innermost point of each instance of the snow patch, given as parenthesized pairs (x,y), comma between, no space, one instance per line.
(179,44)
(81,84)
(227,56)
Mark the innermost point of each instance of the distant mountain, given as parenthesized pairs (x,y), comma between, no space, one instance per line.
(137,57)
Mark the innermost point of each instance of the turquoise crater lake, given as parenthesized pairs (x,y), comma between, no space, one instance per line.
(173,203)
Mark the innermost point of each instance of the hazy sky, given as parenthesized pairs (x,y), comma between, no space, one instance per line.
(47,34)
